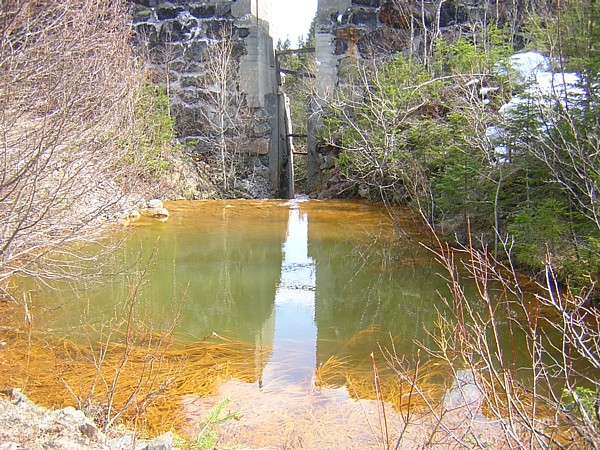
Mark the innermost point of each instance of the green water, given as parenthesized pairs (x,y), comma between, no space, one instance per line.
(306,280)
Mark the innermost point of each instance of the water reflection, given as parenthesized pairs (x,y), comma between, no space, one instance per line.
(295,340)
(303,281)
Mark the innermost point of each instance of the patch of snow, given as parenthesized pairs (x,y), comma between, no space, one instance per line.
(548,84)
(543,90)
(495,135)
(527,65)
(511,109)
(487,89)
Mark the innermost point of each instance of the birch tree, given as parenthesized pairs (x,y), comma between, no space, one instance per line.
(225,109)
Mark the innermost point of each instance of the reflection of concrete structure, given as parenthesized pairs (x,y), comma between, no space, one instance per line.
(295,340)
(223,262)
(363,295)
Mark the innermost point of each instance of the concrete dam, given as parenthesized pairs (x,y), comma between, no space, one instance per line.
(179,38)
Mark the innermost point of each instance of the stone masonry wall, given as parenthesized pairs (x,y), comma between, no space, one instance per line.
(365,29)
(178,35)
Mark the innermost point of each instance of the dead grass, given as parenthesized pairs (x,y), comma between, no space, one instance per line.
(165,383)
(158,374)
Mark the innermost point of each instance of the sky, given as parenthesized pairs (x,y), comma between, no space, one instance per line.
(291,18)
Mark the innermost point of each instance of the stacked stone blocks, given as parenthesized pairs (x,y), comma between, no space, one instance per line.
(178,37)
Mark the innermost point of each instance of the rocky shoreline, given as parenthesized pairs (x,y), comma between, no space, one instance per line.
(26,426)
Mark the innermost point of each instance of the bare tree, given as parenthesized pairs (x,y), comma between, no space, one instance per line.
(523,360)
(364,124)
(67,88)
(225,110)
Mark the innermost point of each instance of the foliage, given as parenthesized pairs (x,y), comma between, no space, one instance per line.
(373,128)
(540,229)
(570,35)
(67,81)
(581,401)
(206,439)
(406,131)
(554,136)
(533,394)
(418,133)
(478,54)
(458,190)
(153,136)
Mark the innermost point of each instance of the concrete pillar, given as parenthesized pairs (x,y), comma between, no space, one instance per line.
(313,172)
(327,79)
(327,60)
(258,77)
(260,9)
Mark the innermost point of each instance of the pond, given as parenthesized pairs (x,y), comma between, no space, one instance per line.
(312,279)
(303,284)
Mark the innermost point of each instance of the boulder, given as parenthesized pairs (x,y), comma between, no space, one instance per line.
(155,203)
(163,442)
(88,429)
(465,396)
(132,215)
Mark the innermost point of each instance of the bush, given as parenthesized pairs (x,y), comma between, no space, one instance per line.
(67,95)
(153,133)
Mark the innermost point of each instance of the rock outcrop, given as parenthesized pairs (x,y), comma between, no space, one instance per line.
(26,426)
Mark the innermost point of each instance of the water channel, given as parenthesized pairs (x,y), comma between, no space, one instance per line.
(303,282)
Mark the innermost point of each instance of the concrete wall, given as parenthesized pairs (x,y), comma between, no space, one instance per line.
(260,9)
(178,35)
